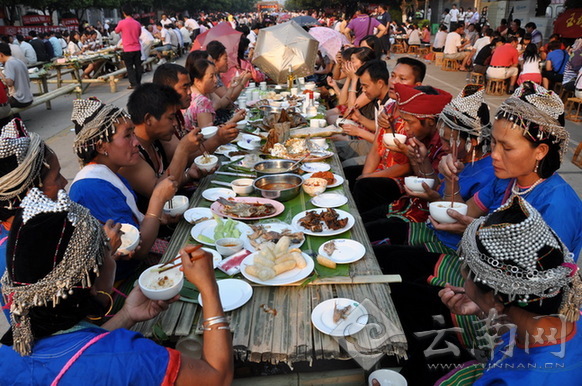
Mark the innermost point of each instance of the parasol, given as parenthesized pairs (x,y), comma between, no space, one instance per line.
(306,21)
(283,45)
(330,41)
(569,23)
(225,34)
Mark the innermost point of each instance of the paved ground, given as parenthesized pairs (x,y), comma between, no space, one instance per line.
(56,128)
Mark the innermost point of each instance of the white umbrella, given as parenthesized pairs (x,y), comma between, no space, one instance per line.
(284,45)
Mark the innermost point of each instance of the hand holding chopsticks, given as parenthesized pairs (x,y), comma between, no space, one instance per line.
(188,249)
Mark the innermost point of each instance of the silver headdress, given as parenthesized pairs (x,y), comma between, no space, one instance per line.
(29,150)
(462,113)
(506,252)
(533,104)
(98,122)
(83,255)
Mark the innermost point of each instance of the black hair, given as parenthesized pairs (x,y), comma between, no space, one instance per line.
(376,69)
(347,53)
(554,45)
(418,67)
(194,56)
(530,52)
(5,39)
(518,22)
(428,90)
(443,27)
(375,44)
(215,49)
(127,9)
(197,69)
(5,49)
(531,24)
(364,54)
(167,74)
(503,21)
(19,37)
(153,99)
(32,33)
(242,47)
(526,36)
(362,8)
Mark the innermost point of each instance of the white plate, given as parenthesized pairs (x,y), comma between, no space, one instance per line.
(225,149)
(213,194)
(338,180)
(347,251)
(233,293)
(322,317)
(194,214)
(312,167)
(326,231)
(329,200)
(246,145)
(288,277)
(280,227)
(206,228)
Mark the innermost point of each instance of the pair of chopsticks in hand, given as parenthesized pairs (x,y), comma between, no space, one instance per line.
(187,250)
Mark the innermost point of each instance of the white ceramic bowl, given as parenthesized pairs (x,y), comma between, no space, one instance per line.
(202,165)
(154,286)
(438,211)
(316,122)
(229,246)
(314,186)
(415,183)
(209,131)
(241,125)
(129,239)
(309,86)
(387,378)
(389,139)
(243,186)
(179,206)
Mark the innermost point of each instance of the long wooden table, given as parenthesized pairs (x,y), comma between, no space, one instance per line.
(290,336)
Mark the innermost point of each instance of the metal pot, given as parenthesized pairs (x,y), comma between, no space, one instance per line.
(274,166)
(282,193)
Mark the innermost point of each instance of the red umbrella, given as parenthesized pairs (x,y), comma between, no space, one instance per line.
(569,23)
(225,34)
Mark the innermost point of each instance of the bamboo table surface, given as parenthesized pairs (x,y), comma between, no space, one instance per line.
(289,336)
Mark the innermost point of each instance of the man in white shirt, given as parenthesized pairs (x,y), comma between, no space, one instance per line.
(165,21)
(252,36)
(29,52)
(15,76)
(454,44)
(479,43)
(192,26)
(146,40)
(454,12)
(14,49)
(185,33)
(440,39)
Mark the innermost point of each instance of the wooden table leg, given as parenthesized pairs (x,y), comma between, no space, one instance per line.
(45,90)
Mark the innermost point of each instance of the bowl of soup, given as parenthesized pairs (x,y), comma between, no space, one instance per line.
(275,166)
(158,285)
(438,211)
(280,187)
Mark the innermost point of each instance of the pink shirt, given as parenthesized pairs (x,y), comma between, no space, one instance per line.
(130,29)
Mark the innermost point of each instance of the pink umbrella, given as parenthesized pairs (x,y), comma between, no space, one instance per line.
(225,34)
(330,41)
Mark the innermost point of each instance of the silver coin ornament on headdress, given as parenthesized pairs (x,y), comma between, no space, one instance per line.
(543,107)
(29,151)
(509,263)
(98,122)
(84,254)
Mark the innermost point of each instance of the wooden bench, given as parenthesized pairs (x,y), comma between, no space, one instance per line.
(450,64)
(477,78)
(572,109)
(577,158)
(44,98)
(113,77)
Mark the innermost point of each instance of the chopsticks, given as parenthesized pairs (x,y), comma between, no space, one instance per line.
(454,151)
(235,174)
(350,112)
(188,250)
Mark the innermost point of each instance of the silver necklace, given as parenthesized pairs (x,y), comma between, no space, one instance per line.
(515,189)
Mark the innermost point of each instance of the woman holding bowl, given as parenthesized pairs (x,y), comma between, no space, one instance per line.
(59,276)
(105,143)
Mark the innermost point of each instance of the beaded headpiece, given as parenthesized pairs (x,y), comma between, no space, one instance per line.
(462,114)
(83,255)
(508,251)
(420,104)
(533,104)
(97,121)
(29,150)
